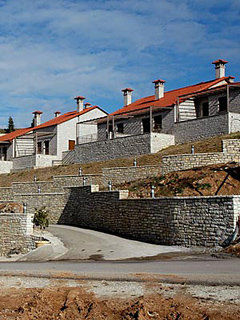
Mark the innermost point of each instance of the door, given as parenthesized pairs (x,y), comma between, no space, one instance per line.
(71,144)
(46,144)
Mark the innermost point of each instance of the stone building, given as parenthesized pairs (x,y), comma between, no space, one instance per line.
(152,123)
(44,144)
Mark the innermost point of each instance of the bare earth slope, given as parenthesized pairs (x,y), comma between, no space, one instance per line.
(45,174)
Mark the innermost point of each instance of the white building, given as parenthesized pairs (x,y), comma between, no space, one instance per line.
(44,144)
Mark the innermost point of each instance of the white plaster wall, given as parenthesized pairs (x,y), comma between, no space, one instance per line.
(43,160)
(234,122)
(67,131)
(160,141)
(10,152)
(6,166)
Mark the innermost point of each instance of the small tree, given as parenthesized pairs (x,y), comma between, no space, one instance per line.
(11,126)
(41,218)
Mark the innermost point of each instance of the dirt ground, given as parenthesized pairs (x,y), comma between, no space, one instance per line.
(77,303)
(206,181)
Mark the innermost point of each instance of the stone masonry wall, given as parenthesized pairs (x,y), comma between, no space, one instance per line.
(189,161)
(54,202)
(198,129)
(118,175)
(112,149)
(231,146)
(198,221)
(15,233)
(6,193)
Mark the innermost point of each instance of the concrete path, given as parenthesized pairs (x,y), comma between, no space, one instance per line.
(71,243)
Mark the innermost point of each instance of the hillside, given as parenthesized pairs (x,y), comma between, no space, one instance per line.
(206,181)
(45,174)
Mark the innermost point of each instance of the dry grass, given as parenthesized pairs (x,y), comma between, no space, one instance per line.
(46,174)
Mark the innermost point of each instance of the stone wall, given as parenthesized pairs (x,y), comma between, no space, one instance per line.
(34,161)
(197,129)
(54,202)
(15,233)
(118,175)
(6,193)
(33,187)
(123,147)
(189,161)
(197,221)
(76,181)
(231,146)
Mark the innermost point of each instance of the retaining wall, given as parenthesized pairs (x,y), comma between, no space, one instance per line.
(198,221)
(15,233)
(201,128)
(118,175)
(123,147)
(54,202)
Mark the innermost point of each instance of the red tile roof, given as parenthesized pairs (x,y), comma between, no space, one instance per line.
(55,121)
(169,100)
(17,133)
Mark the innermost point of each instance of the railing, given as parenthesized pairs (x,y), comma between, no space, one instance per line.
(68,157)
(87,138)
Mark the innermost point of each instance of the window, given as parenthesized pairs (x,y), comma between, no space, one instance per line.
(222,104)
(158,123)
(120,127)
(205,109)
(146,125)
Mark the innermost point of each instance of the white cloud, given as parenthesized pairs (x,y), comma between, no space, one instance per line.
(53,50)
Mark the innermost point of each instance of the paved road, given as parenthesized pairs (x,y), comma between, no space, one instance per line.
(71,243)
(216,271)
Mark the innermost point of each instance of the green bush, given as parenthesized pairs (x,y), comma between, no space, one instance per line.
(41,218)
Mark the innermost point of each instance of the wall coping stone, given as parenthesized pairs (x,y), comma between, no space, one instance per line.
(39,194)
(30,182)
(203,118)
(71,176)
(127,167)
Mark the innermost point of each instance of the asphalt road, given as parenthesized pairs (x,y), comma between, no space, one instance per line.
(214,271)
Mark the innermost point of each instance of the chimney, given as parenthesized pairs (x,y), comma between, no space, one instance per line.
(37,118)
(87,105)
(127,96)
(57,114)
(220,68)
(159,88)
(79,100)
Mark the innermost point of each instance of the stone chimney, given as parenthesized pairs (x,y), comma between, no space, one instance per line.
(220,68)
(79,100)
(57,114)
(87,105)
(159,88)
(127,96)
(37,118)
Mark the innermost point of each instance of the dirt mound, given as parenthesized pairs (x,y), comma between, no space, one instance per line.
(206,181)
(234,249)
(75,303)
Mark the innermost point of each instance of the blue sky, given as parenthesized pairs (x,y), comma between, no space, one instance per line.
(51,51)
